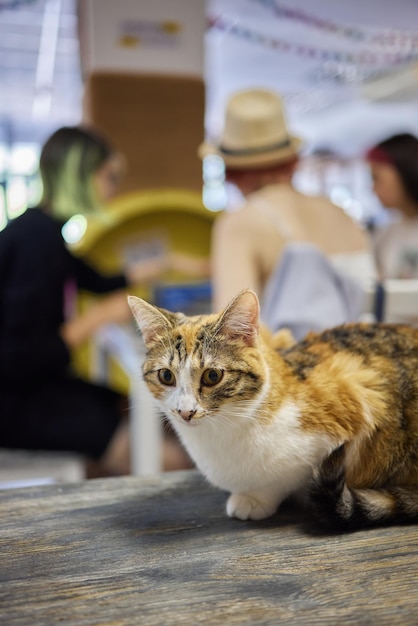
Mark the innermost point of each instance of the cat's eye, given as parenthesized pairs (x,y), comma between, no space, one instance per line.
(166,377)
(212,377)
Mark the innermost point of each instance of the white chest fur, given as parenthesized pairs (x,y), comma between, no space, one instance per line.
(243,453)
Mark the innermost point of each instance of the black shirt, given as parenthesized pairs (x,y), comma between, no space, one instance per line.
(35,266)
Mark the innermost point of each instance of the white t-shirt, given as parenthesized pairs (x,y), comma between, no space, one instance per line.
(396,249)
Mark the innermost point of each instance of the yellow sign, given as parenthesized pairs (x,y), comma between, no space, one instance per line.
(134,33)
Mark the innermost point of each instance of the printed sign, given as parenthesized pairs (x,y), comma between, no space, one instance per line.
(156,34)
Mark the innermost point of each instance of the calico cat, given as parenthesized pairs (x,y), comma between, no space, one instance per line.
(264,417)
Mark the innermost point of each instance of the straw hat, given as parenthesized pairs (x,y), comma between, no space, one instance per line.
(255,132)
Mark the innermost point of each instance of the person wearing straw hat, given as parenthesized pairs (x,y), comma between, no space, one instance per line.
(260,156)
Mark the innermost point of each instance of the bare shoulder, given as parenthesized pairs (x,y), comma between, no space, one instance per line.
(241,221)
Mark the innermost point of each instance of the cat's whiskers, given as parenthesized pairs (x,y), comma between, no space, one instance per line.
(237,414)
(221,423)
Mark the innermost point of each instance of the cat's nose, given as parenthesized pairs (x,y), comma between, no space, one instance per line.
(186,415)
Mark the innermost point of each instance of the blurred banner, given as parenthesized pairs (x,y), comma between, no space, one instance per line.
(158,36)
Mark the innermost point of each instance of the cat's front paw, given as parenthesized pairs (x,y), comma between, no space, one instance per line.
(244,506)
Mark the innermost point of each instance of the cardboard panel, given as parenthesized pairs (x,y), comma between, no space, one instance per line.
(156,121)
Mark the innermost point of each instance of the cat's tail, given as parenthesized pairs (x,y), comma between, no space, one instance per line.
(339,508)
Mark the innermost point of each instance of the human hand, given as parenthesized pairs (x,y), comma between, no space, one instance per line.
(147,270)
(113,308)
(189,264)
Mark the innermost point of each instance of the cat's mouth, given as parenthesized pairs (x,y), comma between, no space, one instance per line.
(192,424)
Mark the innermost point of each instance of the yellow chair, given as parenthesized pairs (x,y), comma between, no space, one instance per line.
(137,223)
(175,216)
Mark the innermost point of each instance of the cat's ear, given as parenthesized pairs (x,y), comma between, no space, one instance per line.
(240,319)
(151,322)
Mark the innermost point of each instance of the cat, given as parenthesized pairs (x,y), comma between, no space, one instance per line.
(334,416)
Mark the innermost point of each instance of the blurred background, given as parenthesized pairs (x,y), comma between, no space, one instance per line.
(348,72)
(154,77)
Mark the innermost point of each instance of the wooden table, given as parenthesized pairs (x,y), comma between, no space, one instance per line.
(160,550)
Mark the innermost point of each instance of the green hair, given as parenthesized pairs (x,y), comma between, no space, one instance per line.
(67,163)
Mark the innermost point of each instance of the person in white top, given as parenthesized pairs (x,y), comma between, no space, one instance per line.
(260,157)
(394,169)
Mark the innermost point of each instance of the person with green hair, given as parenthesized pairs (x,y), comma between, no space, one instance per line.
(43,405)
(79,170)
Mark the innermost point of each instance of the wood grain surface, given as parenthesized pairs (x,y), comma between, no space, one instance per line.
(161,551)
